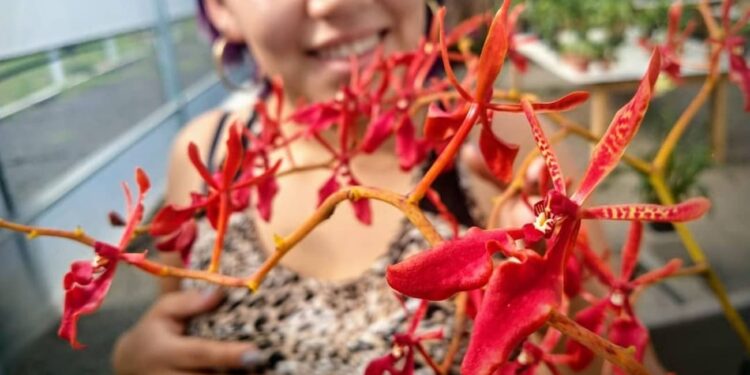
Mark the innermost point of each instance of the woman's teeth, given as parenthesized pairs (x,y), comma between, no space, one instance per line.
(345,50)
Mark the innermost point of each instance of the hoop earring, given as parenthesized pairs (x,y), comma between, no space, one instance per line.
(217,49)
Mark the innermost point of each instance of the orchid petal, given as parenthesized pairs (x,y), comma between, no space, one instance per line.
(567,102)
(362,210)
(739,72)
(441,125)
(267,190)
(329,187)
(169,219)
(658,274)
(591,318)
(197,161)
(493,54)
(135,214)
(83,298)
(498,155)
(451,267)
(621,131)
(553,167)
(361,206)
(573,277)
(408,148)
(630,250)
(690,209)
(378,131)
(595,264)
(628,332)
(518,301)
(234,156)
(181,241)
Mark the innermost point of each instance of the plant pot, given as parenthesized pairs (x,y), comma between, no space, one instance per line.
(579,63)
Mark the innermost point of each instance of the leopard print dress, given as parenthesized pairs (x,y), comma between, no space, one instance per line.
(304,325)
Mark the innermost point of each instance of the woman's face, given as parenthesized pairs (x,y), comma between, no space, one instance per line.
(308,42)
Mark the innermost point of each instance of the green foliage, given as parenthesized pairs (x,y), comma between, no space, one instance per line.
(682,174)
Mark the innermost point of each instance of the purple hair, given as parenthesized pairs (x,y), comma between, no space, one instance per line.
(233,52)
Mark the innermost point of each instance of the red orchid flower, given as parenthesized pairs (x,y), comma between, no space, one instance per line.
(361,207)
(734,43)
(440,124)
(523,290)
(626,330)
(532,356)
(413,84)
(177,223)
(671,48)
(518,59)
(404,347)
(87,282)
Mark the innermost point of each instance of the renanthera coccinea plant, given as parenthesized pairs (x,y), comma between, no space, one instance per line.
(514,283)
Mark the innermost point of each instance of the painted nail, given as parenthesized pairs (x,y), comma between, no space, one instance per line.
(209,292)
(253,359)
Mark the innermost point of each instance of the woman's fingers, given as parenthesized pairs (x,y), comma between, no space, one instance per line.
(185,304)
(192,353)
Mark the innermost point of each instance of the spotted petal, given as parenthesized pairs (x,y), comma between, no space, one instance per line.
(550,159)
(690,209)
(621,131)
(567,102)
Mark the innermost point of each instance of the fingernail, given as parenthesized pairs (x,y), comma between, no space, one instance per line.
(209,292)
(252,359)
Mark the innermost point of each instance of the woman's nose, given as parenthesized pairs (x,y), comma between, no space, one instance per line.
(331,8)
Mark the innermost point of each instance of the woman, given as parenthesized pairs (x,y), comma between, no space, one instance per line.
(327,308)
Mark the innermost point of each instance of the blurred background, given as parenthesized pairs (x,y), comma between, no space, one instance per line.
(90,89)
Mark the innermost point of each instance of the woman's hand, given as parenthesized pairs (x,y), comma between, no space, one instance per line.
(157,344)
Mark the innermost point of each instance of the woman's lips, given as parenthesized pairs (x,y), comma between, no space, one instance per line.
(338,55)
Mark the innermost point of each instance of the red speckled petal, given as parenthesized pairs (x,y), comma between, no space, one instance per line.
(621,131)
(690,209)
(567,102)
(550,159)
